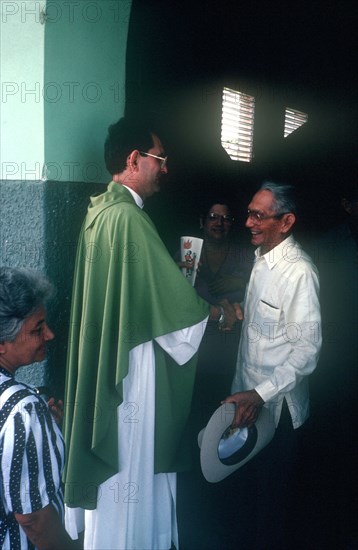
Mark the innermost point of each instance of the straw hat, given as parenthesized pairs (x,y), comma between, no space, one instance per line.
(224,449)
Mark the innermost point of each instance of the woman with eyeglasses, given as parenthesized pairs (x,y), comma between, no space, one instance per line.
(224,265)
(224,268)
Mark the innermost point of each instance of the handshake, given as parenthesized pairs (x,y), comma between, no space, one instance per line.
(226,314)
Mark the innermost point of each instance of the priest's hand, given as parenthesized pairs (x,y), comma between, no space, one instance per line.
(225,313)
(230,316)
(248,407)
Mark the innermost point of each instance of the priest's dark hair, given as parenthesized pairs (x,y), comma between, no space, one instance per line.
(123,137)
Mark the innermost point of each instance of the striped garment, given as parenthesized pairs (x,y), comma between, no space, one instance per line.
(31,459)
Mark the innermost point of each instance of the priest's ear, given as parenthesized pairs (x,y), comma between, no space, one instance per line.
(132,161)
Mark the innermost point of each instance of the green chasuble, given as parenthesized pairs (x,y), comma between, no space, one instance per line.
(127,291)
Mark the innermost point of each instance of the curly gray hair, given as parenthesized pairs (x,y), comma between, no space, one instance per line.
(22,292)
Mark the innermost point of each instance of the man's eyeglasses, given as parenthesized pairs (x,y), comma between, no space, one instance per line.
(259,217)
(212,216)
(163,159)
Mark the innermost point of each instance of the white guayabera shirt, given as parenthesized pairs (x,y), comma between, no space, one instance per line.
(281,333)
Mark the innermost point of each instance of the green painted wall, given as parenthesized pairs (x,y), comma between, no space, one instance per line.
(84,84)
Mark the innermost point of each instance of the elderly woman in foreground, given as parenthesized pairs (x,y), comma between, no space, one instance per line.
(31,444)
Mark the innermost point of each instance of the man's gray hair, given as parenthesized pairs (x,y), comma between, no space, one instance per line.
(283,197)
(22,292)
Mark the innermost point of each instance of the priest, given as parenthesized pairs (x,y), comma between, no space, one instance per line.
(136,325)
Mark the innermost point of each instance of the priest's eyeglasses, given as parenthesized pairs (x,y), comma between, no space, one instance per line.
(259,217)
(162,159)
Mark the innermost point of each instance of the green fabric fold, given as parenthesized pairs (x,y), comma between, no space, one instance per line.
(127,290)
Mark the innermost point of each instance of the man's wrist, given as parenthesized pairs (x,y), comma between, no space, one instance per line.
(258,397)
(221,319)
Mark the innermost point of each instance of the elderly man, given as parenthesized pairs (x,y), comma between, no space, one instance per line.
(136,325)
(279,348)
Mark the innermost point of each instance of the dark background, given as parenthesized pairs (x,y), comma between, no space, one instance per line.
(296,54)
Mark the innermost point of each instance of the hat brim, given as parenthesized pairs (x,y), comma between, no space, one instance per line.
(222,453)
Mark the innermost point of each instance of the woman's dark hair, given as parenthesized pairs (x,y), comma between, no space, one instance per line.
(207,203)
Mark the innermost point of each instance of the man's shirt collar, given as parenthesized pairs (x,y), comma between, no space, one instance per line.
(274,255)
(138,200)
